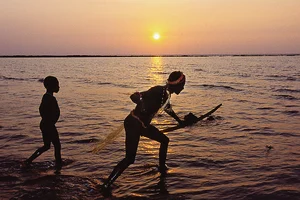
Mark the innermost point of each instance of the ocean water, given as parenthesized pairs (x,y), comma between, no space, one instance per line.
(250,151)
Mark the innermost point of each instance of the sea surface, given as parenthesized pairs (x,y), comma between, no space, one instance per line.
(251,150)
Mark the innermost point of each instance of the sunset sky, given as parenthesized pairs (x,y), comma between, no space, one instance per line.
(126,27)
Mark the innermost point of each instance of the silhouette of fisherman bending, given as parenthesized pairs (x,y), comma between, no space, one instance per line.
(137,123)
(50,113)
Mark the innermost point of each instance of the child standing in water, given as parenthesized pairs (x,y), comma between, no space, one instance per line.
(50,113)
(137,123)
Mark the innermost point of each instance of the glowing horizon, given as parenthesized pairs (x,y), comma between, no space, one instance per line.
(121,27)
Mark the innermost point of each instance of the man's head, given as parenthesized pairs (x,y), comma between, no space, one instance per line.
(51,84)
(176,82)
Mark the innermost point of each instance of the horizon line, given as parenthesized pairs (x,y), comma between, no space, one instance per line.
(146,55)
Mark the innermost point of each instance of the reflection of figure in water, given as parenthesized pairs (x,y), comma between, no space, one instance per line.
(49,112)
(162,186)
(137,123)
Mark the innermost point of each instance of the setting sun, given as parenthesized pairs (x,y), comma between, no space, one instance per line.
(156,36)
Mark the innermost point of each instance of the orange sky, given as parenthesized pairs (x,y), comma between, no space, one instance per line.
(122,27)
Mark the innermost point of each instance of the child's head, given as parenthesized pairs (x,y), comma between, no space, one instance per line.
(176,82)
(51,84)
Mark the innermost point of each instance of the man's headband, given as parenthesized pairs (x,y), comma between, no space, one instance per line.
(179,80)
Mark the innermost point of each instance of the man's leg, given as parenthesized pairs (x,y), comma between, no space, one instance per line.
(132,129)
(154,134)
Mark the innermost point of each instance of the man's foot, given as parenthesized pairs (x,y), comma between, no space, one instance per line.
(58,166)
(105,190)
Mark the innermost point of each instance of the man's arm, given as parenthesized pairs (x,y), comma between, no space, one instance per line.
(136,97)
(168,109)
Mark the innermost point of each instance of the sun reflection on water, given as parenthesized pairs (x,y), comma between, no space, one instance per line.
(156,71)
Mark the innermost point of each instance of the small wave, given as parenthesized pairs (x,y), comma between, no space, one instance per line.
(265,108)
(104,83)
(291,106)
(262,133)
(199,70)
(284,178)
(281,77)
(286,97)
(287,90)
(19,136)
(73,134)
(123,86)
(14,137)
(291,112)
(265,131)
(21,79)
(11,78)
(115,84)
(210,163)
(274,76)
(291,78)
(241,100)
(220,86)
(288,135)
(248,129)
(244,75)
(234,74)
(85,141)
(161,72)
(279,194)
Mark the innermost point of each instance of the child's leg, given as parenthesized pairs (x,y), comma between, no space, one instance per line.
(57,147)
(39,151)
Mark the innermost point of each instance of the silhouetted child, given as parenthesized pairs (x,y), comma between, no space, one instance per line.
(49,112)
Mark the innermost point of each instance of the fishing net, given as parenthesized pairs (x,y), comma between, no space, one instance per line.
(109,138)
